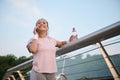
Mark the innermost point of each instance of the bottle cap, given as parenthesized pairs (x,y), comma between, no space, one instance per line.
(73,30)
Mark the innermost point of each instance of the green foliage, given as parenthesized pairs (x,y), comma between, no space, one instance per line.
(84,78)
(11,60)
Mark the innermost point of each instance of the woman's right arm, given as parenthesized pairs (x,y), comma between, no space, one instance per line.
(32,46)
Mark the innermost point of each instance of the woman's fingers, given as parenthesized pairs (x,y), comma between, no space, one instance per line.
(34,31)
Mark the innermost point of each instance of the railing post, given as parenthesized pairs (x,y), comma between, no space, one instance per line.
(108,61)
(8,78)
(63,64)
(20,75)
(12,76)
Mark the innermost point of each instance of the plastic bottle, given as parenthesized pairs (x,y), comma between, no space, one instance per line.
(74,33)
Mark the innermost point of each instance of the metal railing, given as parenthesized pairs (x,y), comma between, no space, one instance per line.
(88,62)
(93,38)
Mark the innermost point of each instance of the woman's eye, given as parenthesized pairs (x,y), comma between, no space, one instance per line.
(38,23)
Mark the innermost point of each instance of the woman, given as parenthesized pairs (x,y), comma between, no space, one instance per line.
(43,49)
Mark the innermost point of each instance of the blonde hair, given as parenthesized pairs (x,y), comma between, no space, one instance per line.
(42,19)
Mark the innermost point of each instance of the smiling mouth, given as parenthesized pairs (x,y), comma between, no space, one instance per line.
(40,26)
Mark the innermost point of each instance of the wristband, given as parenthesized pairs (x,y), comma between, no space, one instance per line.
(35,36)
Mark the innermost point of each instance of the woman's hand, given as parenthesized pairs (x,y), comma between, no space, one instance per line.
(35,30)
(73,37)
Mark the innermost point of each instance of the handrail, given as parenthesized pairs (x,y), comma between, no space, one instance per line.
(100,35)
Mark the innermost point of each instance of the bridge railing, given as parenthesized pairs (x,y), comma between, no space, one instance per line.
(93,38)
(88,61)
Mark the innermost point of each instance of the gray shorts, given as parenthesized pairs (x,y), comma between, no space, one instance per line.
(41,76)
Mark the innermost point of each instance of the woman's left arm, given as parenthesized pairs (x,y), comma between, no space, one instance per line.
(61,43)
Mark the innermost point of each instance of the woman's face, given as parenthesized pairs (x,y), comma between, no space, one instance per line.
(42,25)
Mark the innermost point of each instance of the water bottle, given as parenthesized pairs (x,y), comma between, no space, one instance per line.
(74,33)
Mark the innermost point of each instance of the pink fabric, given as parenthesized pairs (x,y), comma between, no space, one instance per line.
(44,61)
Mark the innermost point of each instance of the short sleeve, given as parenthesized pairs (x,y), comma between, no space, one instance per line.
(30,40)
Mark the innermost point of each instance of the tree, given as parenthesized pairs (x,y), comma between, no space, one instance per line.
(11,60)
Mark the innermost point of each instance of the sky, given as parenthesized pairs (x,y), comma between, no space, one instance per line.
(18,18)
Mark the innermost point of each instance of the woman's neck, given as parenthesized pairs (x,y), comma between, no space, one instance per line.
(42,35)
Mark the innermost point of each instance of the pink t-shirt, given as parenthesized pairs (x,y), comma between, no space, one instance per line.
(44,61)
